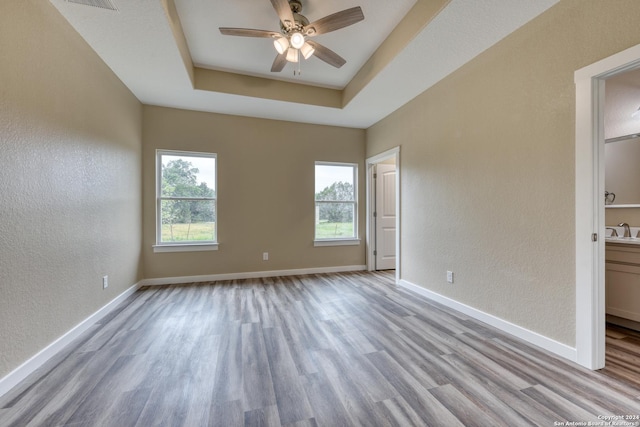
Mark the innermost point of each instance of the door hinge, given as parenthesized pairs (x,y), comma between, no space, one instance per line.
(375,252)
(375,175)
(594,237)
(375,214)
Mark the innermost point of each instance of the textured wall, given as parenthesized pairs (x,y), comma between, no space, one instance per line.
(488,168)
(70,172)
(265,191)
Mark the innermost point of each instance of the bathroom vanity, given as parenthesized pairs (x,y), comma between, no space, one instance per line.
(622,254)
(622,275)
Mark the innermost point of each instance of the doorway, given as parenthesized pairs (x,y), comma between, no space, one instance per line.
(589,204)
(383,212)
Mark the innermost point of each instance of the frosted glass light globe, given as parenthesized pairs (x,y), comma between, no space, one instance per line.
(281,44)
(297,40)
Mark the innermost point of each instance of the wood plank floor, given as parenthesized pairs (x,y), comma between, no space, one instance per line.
(623,354)
(318,350)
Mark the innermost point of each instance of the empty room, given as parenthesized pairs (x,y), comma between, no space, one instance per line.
(319,213)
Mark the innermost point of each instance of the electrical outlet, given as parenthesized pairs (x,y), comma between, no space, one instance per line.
(450,276)
(265,256)
(105,282)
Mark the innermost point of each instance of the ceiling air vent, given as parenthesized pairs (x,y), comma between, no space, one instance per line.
(102,4)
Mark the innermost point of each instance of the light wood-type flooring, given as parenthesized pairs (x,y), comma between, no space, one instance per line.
(623,354)
(320,350)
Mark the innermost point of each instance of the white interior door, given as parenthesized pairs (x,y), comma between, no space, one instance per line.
(385,216)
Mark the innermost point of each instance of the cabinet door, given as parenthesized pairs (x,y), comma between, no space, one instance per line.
(623,291)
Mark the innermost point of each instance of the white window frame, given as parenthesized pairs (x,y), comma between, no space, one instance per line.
(334,241)
(189,246)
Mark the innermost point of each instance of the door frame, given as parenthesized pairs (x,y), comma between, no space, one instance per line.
(371,231)
(589,203)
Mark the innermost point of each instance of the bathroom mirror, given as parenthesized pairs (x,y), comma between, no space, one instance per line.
(622,171)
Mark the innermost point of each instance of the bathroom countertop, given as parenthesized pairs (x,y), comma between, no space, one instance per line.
(623,240)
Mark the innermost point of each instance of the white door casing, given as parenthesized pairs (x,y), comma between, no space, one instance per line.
(589,203)
(385,216)
(393,153)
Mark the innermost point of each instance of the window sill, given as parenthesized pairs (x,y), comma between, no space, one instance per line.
(336,242)
(189,247)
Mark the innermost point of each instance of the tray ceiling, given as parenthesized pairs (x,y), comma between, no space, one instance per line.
(170,53)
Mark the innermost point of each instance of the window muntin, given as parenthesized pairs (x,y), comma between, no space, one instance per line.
(336,209)
(186,198)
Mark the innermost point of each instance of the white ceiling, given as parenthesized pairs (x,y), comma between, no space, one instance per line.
(138,44)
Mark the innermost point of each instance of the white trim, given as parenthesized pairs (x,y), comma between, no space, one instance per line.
(395,151)
(187,247)
(370,222)
(530,337)
(589,205)
(249,275)
(370,232)
(621,206)
(336,242)
(23,371)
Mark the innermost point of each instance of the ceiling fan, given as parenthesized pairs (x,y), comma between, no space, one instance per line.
(295,31)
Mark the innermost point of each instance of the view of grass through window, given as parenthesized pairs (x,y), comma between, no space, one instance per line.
(335,201)
(187,200)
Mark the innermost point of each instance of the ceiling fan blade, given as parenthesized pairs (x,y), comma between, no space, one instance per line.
(335,21)
(279,63)
(284,12)
(248,32)
(327,55)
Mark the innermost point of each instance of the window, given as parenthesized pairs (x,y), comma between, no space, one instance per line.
(186,201)
(336,206)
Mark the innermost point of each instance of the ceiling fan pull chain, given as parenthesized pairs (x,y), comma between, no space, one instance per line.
(294,70)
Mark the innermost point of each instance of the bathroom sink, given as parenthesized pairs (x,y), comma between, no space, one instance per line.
(619,232)
(623,240)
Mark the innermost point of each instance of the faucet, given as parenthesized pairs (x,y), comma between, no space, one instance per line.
(627,230)
(614,232)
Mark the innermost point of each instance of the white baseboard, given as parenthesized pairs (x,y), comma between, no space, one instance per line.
(249,275)
(35,362)
(531,337)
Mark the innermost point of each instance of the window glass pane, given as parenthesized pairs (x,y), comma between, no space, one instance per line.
(188,176)
(334,220)
(188,220)
(335,183)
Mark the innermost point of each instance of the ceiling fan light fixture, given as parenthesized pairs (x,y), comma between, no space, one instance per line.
(290,42)
(307,50)
(297,40)
(281,44)
(292,55)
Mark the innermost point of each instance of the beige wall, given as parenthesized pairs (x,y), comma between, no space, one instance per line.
(488,168)
(614,217)
(70,211)
(265,191)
